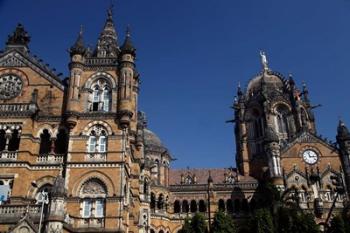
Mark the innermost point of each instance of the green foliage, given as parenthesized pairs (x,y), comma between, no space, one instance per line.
(337,225)
(195,225)
(223,224)
(292,220)
(262,222)
(186,228)
(199,224)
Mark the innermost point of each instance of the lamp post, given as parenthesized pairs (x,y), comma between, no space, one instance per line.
(44,199)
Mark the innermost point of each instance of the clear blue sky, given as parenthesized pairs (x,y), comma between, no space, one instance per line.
(192,53)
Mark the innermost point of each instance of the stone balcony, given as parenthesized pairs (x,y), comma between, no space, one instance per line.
(8,155)
(50,159)
(15,212)
(18,109)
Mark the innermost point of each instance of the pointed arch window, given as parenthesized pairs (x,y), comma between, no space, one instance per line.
(282,120)
(45,142)
(100,96)
(97,141)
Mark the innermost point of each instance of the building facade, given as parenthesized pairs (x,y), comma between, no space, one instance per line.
(76,154)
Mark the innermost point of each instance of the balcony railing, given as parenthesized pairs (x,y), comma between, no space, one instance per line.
(18,108)
(8,155)
(17,211)
(50,158)
(96,157)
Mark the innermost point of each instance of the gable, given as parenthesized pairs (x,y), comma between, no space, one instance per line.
(14,58)
(308,138)
(24,226)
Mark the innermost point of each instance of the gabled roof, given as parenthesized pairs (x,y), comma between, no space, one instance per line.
(15,58)
(307,137)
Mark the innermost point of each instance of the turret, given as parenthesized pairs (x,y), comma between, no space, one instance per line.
(19,39)
(343,140)
(272,149)
(128,82)
(77,53)
(56,217)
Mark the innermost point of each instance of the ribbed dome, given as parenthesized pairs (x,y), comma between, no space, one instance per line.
(151,140)
(271,79)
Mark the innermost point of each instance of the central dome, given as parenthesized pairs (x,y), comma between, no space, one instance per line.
(271,79)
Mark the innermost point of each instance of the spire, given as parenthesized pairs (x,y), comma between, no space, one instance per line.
(343,131)
(305,93)
(128,46)
(78,47)
(19,38)
(107,45)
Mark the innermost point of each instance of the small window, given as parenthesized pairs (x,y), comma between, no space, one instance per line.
(102,144)
(92,144)
(99,208)
(87,208)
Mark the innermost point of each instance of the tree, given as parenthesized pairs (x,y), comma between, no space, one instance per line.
(262,222)
(195,225)
(223,223)
(186,228)
(337,225)
(198,224)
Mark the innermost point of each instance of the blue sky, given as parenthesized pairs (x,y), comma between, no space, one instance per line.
(192,53)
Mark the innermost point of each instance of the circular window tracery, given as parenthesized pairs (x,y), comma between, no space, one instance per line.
(10,86)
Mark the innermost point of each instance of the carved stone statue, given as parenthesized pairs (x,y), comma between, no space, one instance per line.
(264,60)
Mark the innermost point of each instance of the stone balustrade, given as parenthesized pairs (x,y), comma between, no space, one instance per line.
(50,158)
(9,211)
(8,155)
(96,157)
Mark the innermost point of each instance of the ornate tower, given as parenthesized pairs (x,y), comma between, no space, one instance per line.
(270,113)
(343,140)
(104,156)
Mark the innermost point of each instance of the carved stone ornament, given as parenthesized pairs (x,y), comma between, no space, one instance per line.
(93,187)
(10,86)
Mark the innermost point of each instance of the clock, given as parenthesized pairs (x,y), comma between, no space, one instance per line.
(310,156)
(10,86)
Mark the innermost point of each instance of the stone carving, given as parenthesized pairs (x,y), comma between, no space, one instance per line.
(93,187)
(10,86)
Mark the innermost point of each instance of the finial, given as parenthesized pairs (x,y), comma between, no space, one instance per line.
(264,60)
(128,31)
(110,11)
(81,30)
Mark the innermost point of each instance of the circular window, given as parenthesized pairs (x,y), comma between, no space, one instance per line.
(10,86)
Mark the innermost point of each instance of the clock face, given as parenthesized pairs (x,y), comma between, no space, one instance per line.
(10,86)
(310,156)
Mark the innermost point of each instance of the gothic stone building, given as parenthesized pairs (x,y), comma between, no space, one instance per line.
(76,154)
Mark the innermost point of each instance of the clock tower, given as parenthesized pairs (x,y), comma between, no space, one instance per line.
(276,137)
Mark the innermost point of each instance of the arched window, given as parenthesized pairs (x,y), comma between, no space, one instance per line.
(93,193)
(14,141)
(202,206)
(97,141)
(153,201)
(2,140)
(221,205)
(177,207)
(282,119)
(161,231)
(229,205)
(100,96)
(45,142)
(152,231)
(160,203)
(193,206)
(185,206)
(61,142)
